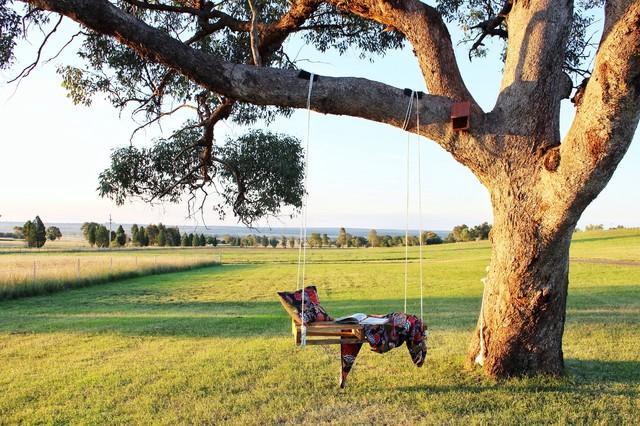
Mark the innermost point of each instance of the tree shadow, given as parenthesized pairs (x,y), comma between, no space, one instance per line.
(583,377)
(601,238)
(127,315)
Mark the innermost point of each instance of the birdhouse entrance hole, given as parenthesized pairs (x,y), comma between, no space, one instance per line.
(460,115)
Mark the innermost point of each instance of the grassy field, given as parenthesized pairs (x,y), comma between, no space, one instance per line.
(40,272)
(212,346)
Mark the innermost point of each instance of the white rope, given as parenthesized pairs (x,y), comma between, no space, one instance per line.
(406,228)
(480,357)
(419,204)
(302,247)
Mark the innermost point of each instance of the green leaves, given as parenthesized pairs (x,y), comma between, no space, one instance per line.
(254,175)
(10,31)
(261,172)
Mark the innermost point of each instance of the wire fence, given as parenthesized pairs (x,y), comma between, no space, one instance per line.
(30,275)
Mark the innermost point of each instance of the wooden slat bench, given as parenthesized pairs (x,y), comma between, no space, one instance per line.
(325,332)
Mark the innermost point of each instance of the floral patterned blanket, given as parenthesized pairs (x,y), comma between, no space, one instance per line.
(401,328)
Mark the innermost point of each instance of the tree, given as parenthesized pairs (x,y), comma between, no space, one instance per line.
(135,235)
(143,238)
(374,241)
(53,233)
(429,237)
(283,241)
(162,236)
(18,231)
(315,240)
(292,242)
(386,241)
(481,232)
(342,239)
(173,236)
(273,242)
(152,234)
(326,242)
(184,241)
(29,232)
(89,232)
(214,242)
(539,182)
(359,241)
(102,236)
(36,233)
(121,237)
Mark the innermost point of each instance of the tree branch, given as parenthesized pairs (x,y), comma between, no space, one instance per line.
(27,70)
(608,116)
(273,35)
(254,34)
(533,83)
(490,26)
(262,86)
(426,31)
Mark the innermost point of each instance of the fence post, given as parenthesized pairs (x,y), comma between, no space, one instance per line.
(111,266)
(34,271)
(78,271)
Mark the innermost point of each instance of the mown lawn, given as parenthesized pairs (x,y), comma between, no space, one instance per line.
(212,346)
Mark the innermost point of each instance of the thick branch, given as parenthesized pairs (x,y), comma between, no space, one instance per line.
(613,10)
(273,35)
(424,28)
(263,86)
(608,116)
(533,80)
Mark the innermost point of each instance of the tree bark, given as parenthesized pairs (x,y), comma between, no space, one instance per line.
(524,299)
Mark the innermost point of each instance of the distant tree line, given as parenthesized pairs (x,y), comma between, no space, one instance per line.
(34,233)
(463,233)
(152,235)
(319,240)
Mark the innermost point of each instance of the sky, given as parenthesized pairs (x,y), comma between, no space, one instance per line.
(51,152)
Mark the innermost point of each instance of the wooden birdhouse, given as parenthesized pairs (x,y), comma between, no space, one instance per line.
(460,112)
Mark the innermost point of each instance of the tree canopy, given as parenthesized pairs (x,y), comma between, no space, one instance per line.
(188,161)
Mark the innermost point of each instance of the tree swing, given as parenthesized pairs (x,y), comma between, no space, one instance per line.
(330,332)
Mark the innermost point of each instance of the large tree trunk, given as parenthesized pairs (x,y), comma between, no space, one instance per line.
(523,311)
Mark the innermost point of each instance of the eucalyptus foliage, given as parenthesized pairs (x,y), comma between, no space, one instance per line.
(260,172)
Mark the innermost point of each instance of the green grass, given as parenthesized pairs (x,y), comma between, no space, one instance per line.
(212,346)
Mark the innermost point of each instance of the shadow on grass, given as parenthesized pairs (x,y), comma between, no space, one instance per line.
(581,376)
(157,305)
(127,315)
(208,318)
(603,238)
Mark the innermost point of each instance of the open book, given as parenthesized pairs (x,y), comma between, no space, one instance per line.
(360,318)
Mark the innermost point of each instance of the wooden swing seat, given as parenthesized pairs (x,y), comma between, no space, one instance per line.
(325,332)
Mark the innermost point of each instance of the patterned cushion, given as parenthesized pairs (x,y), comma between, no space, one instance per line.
(313,311)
